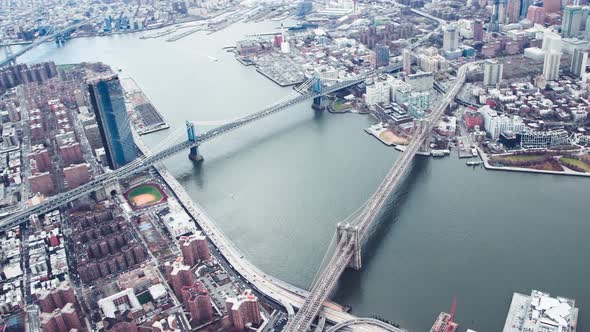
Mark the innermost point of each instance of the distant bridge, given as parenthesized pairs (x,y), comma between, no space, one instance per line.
(53,33)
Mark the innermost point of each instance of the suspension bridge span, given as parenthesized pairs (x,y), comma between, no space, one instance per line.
(319,91)
(349,235)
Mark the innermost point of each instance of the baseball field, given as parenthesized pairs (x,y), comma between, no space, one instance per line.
(145,195)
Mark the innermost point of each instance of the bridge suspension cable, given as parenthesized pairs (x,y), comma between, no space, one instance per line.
(158,148)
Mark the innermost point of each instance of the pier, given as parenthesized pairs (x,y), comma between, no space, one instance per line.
(146,117)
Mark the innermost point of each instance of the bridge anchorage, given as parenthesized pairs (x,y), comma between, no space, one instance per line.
(192,137)
(350,234)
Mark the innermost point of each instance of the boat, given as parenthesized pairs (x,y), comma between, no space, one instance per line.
(474,152)
(214,59)
(474,163)
(120,69)
(438,153)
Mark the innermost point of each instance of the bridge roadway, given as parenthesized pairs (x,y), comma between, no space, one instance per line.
(344,251)
(85,189)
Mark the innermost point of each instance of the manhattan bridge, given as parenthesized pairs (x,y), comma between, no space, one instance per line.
(350,233)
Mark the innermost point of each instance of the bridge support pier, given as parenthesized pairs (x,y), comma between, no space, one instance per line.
(194,154)
(346,233)
(318,104)
(192,137)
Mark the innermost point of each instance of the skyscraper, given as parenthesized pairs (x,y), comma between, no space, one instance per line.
(536,15)
(477,30)
(495,20)
(513,11)
(571,21)
(381,55)
(106,95)
(524,8)
(451,38)
(407,61)
(492,72)
(579,61)
(551,65)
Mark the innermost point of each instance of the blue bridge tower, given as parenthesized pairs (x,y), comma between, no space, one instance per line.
(318,102)
(192,137)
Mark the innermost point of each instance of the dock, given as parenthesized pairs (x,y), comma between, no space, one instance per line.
(281,79)
(143,115)
(184,34)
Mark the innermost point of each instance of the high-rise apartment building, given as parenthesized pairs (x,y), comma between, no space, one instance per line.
(197,302)
(106,95)
(579,62)
(407,61)
(513,11)
(243,310)
(194,248)
(477,30)
(551,6)
(551,65)
(571,21)
(551,41)
(492,72)
(178,275)
(381,55)
(536,15)
(450,38)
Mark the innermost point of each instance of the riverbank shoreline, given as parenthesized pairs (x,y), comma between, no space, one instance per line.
(485,158)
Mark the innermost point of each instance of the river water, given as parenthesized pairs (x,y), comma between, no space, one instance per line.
(279,186)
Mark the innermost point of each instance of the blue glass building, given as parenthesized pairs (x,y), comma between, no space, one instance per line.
(108,102)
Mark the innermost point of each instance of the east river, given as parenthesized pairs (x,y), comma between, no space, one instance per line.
(279,186)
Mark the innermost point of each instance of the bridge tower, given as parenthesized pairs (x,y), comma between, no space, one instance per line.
(318,102)
(421,125)
(346,233)
(9,55)
(192,137)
